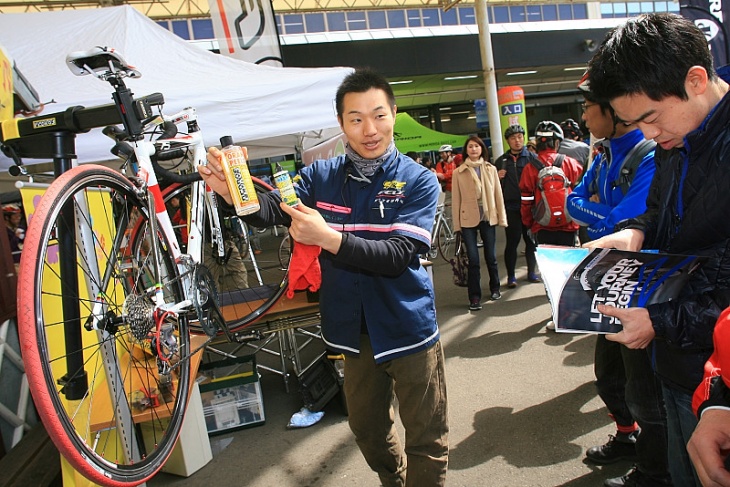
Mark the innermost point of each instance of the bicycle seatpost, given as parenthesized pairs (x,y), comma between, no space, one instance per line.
(123,99)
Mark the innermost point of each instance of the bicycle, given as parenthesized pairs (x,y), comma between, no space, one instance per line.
(107,299)
(442,235)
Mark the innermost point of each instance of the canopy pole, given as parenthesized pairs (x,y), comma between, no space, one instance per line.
(490,81)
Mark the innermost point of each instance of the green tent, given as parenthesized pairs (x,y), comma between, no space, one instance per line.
(410,135)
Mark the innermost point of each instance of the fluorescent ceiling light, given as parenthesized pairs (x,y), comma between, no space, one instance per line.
(579,68)
(452,78)
(517,73)
(404,82)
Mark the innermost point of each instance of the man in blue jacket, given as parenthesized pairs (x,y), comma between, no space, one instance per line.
(657,72)
(371,211)
(613,190)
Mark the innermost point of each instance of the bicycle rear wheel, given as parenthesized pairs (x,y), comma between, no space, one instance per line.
(110,380)
(250,278)
(445,239)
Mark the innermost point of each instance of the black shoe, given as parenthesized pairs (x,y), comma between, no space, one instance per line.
(496,295)
(635,478)
(475,305)
(620,447)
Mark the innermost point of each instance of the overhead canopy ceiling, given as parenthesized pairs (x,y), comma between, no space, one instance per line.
(546,82)
(165,9)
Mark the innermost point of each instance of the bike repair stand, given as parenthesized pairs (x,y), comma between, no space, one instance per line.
(280,334)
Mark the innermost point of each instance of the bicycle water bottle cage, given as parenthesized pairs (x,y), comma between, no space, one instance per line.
(102,62)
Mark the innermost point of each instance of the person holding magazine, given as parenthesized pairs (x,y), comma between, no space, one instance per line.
(478,208)
(657,72)
(612,190)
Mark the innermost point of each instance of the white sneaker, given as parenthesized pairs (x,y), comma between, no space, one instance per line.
(550,325)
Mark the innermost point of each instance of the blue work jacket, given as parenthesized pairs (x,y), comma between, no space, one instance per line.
(398,311)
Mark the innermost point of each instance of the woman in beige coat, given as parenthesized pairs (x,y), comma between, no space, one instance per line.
(478,207)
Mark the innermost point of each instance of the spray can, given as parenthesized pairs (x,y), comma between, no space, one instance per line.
(285,186)
(238,178)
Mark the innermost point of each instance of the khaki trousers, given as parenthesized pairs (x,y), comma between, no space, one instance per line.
(418,382)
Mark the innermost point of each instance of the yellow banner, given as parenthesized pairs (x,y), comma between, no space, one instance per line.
(6,87)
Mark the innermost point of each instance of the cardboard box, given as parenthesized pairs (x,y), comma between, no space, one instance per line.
(231,394)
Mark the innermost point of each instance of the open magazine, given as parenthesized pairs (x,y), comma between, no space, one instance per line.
(578,279)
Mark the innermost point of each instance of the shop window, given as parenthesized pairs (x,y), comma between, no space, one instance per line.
(647,7)
(314,23)
(580,11)
(293,24)
(396,19)
(467,16)
(202,29)
(336,21)
(414,17)
(430,17)
(619,10)
(633,8)
(517,14)
(565,12)
(501,15)
(549,12)
(180,28)
(660,6)
(356,21)
(673,7)
(607,10)
(376,19)
(534,13)
(449,17)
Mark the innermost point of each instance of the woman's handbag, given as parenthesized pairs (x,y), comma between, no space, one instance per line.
(460,263)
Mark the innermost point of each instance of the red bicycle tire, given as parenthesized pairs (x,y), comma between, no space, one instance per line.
(32,346)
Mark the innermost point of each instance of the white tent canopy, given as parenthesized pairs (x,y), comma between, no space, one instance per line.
(270,110)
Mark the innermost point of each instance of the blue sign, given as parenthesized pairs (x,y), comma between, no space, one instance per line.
(480,107)
(513,109)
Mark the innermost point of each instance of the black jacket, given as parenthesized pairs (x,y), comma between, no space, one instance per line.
(684,326)
(511,181)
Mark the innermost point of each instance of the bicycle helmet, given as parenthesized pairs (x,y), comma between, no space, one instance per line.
(11,209)
(548,129)
(571,129)
(446,148)
(513,129)
(584,84)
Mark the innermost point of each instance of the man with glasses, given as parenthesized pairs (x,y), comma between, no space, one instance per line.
(612,190)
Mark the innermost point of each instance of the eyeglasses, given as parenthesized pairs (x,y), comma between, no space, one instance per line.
(586,106)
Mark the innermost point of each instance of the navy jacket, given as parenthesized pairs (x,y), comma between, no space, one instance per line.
(384,221)
(687,213)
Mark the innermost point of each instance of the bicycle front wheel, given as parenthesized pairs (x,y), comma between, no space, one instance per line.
(109,373)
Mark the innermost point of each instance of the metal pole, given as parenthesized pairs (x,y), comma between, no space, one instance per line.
(490,81)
